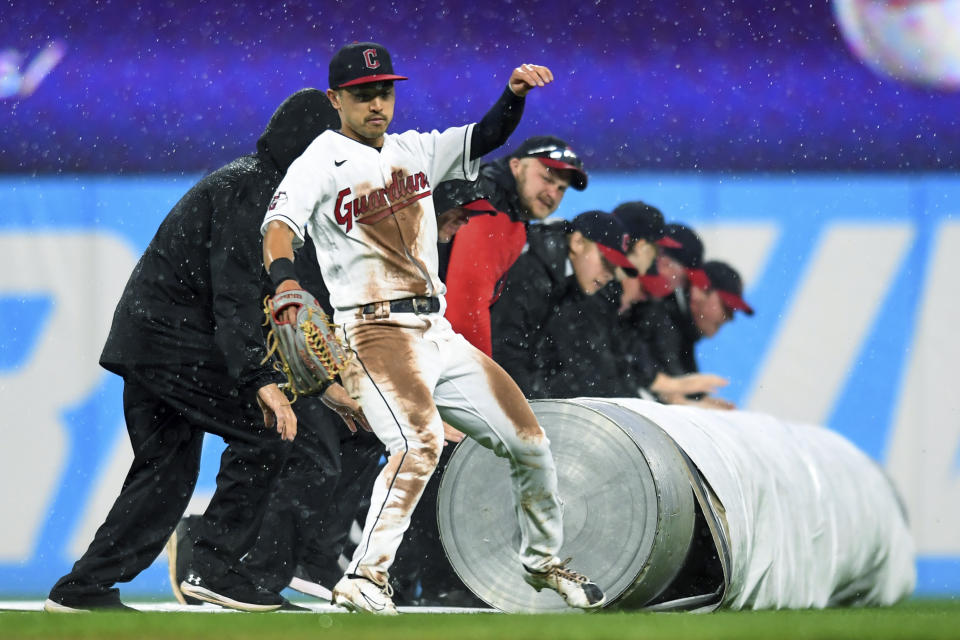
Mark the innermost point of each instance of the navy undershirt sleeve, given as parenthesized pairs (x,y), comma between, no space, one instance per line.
(497,125)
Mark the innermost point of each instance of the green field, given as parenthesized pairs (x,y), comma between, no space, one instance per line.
(915,619)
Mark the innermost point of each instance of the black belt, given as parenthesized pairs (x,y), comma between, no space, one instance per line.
(407,305)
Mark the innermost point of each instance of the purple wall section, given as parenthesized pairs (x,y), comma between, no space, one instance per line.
(739,86)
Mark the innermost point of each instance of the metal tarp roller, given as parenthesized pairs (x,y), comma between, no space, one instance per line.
(628,508)
(793,516)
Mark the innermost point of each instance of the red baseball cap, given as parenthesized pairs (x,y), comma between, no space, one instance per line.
(609,234)
(463,194)
(556,154)
(644,221)
(656,285)
(479,206)
(725,280)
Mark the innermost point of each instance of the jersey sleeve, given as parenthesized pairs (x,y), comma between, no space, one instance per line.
(296,198)
(448,154)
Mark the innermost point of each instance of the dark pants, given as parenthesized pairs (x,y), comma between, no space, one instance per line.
(167,412)
(311,508)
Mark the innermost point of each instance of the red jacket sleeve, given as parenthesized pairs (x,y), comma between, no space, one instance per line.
(483,250)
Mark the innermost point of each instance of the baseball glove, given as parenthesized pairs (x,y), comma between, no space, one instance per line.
(311,355)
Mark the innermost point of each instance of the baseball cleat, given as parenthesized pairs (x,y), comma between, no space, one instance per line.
(576,589)
(360,594)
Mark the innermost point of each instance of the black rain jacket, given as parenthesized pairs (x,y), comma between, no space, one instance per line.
(533,288)
(195,297)
(581,352)
(672,336)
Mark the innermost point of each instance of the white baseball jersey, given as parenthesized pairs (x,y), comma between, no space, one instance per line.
(370,214)
(370,211)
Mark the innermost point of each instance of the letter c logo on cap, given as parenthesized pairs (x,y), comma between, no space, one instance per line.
(370,58)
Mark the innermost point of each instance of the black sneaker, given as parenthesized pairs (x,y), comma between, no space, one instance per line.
(180,557)
(84,603)
(289,606)
(233,592)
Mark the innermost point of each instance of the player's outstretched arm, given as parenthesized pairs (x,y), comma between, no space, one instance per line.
(504,116)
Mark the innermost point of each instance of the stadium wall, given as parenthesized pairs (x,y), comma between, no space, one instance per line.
(852,277)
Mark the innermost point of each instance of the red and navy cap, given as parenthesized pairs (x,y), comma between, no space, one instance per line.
(478,206)
(688,252)
(609,234)
(463,194)
(361,63)
(644,221)
(556,154)
(687,248)
(725,280)
(656,285)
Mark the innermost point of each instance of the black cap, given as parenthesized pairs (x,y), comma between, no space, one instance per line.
(644,221)
(465,194)
(609,234)
(361,63)
(725,280)
(556,154)
(690,251)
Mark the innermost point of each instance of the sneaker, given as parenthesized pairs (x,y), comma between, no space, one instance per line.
(289,606)
(359,594)
(576,589)
(180,557)
(82,604)
(235,592)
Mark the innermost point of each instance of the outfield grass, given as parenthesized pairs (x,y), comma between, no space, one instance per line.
(932,619)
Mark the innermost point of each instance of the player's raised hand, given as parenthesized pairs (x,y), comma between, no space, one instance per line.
(289,315)
(527,77)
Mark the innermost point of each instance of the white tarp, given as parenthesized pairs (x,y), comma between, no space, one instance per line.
(813,522)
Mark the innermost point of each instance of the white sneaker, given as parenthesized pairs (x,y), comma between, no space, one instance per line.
(52,606)
(575,588)
(357,593)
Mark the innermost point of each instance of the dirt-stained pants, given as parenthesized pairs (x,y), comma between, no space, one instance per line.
(410,372)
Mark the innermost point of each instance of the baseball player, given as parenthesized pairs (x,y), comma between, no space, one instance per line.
(365,197)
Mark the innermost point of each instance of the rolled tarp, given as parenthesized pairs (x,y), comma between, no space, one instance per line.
(788,515)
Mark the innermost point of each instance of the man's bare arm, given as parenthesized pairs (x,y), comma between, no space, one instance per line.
(278,245)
